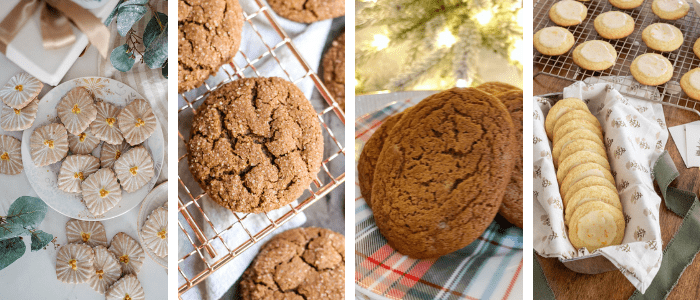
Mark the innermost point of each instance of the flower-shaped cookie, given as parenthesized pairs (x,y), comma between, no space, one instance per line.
(74,263)
(76,110)
(13,119)
(101,191)
(155,232)
(48,144)
(129,253)
(91,233)
(105,125)
(10,155)
(137,121)
(82,143)
(107,270)
(134,169)
(128,287)
(20,90)
(74,170)
(110,153)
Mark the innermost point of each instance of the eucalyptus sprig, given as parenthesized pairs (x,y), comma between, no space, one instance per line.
(24,215)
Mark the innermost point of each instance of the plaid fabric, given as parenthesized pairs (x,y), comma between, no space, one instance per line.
(489,268)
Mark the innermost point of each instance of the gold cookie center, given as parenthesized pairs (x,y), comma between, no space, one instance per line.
(134,170)
(110,121)
(5,156)
(127,297)
(79,175)
(17,111)
(49,143)
(82,136)
(85,236)
(163,234)
(19,88)
(104,193)
(76,109)
(139,122)
(124,258)
(117,155)
(99,273)
(73,264)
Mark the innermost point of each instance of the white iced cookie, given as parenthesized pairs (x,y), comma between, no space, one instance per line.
(76,110)
(614,25)
(595,55)
(129,253)
(105,125)
(568,13)
(13,119)
(10,155)
(662,37)
(20,90)
(137,121)
(91,233)
(82,143)
(134,169)
(553,40)
(651,69)
(74,263)
(155,232)
(670,9)
(110,153)
(74,170)
(101,191)
(690,83)
(128,287)
(48,144)
(107,270)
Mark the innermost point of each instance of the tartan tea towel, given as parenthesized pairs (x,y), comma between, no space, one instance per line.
(488,268)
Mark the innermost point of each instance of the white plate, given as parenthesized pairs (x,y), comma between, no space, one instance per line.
(44,179)
(156,198)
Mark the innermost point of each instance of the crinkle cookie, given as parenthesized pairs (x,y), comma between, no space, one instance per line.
(308,11)
(334,70)
(495,87)
(20,90)
(512,205)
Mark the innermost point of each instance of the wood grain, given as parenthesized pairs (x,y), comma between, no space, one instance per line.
(567,284)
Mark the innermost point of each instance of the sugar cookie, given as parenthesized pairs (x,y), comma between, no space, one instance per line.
(626,4)
(588,194)
(577,115)
(553,40)
(559,109)
(690,83)
(583,183)
(614,25)
(651,69)
(670,9)
(585,170)
(595,55)
(568,13)
(580,134)
(580,145)
(577,159)
(662,37)
(595,225)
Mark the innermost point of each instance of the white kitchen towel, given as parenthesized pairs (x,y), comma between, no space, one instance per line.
(635,135)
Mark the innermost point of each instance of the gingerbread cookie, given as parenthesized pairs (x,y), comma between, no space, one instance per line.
(298,264)
(662,37)
(553,40)
(308,11)
(651,69)
(209,34)
(595,55)
(690,83)
(440,178)
(568,13)
(255,144)
(334,70)
(614,25)
(670,9)
(512,205)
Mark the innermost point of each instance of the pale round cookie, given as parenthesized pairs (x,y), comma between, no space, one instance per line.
(74,170)
(76,110)
(568,13)
(110,153)
(128,287)
(578,159)
(154,232)
(82,143)
(696,48)
(101,191)
(580,172)
(10,155)
(107,269)
(595,225)
(134,169)
(13,119)
(651,69)
(559,109)
(91,233)
(581,145)
(577,115)
(690,83)
(137,121)
(614,25)
(129,253)
(586,182)
(553,40)
(595,55)
(74,263)
(576,124)
(105,126)
(626,4)
(591,193)
(662,37)
(48,144)
(580,134)
(670,9)
(20,90)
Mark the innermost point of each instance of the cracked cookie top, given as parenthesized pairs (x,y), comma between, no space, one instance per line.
(442,172)
(209,35)
(308,11)
(255,144)
(334,70)
(300,264)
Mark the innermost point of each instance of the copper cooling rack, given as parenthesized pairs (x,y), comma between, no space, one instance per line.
(683,59)
(190,195)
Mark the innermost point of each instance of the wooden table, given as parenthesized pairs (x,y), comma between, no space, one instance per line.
(567,284)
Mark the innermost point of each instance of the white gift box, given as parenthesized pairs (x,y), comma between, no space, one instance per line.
(27,51)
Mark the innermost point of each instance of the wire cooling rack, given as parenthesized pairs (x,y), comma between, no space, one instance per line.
(683,59)
(191,195)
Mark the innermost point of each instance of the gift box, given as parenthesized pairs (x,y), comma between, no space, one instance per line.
(27,50)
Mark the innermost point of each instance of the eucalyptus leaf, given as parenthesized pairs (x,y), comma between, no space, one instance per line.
(128,14)
(110,18)
(27,211)
(11,250)
(132,2)
(40,239)
(157,51)
(164,71)
(11,230)
(121,59)
(153,28)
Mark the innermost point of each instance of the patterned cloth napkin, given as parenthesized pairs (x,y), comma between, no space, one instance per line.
(489,268)
(635,136)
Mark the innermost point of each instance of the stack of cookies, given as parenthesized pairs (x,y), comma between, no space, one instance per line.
(436,174)
(592,207)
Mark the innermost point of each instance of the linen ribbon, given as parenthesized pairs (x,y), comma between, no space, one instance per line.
(56,19)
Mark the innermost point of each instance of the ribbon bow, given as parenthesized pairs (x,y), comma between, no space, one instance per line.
(56,19)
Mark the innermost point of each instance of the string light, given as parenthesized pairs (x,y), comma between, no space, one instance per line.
(484,17)
(380,42)
(518,52)
(446,39)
